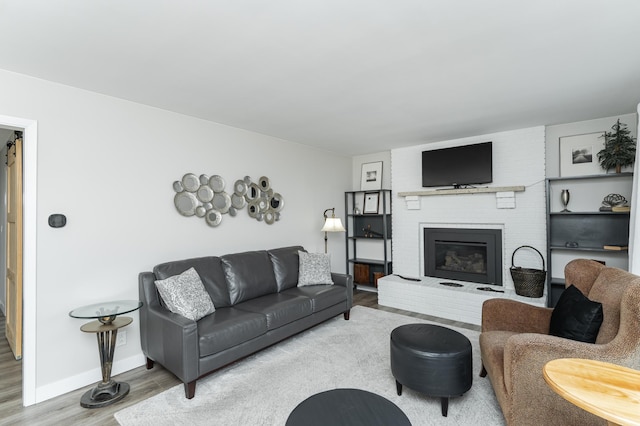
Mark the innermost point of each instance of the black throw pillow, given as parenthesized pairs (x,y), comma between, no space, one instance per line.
(576,317)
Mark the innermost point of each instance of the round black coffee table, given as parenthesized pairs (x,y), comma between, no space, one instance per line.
(347,407)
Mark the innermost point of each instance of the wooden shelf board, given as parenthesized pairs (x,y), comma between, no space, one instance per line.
(492,189)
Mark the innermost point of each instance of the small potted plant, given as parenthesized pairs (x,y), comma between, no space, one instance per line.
(619,148)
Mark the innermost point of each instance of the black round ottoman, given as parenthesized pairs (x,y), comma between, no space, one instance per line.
(431,359)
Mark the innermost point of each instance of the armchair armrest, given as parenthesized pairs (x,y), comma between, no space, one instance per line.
(167,338)
(525,356)
(512,315)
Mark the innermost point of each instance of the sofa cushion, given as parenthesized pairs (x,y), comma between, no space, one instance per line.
(315,268)
(576,317)
(228,327)
(322,296)
(210,271)
(184,294)
(249,275)
(285,266)
(279,308)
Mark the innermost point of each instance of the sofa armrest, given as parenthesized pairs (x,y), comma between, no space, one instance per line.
(167,338)
(512,315)
(346,281)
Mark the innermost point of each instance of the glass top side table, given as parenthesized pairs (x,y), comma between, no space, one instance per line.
(106,327)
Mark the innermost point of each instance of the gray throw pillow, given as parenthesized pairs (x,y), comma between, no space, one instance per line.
(185,295)
(314,268)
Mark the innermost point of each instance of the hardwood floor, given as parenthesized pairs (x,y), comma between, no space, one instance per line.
(66,409)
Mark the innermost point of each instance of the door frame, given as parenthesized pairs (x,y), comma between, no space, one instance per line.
(29,264)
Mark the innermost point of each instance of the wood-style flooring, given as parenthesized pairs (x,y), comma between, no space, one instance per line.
(66,409)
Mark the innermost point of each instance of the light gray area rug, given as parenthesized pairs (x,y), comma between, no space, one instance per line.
(265,387)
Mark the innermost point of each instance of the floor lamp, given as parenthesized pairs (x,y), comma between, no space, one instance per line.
(331,224)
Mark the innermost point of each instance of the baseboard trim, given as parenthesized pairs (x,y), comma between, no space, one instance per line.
(78,381)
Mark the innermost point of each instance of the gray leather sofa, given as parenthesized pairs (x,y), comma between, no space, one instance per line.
(257,304)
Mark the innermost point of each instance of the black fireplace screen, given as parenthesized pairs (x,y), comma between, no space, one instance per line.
(464,254)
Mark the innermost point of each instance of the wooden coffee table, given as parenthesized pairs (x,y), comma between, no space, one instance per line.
(609,391)
(351,407)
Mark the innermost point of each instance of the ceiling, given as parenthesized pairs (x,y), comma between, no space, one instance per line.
(349,76)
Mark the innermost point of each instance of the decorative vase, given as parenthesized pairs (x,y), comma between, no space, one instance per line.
(565,197)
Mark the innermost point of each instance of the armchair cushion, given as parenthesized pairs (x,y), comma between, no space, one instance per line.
(576,317)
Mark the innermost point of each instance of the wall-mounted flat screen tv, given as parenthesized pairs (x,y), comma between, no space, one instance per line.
(458,166)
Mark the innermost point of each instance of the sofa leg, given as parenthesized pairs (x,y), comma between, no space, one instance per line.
(190,389)
(346,315)
(483,372)
(149,364)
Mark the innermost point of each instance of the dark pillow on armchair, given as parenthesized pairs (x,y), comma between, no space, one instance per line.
(576,317)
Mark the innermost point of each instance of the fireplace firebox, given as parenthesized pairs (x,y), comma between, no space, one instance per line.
(465,254)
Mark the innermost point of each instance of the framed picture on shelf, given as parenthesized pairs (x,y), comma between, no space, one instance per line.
(579,154)
(371,202)
(371,176)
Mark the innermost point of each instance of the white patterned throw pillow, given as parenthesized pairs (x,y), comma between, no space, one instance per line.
(315,268)
(185,295)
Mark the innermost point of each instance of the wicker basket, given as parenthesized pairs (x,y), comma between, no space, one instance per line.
(528,282)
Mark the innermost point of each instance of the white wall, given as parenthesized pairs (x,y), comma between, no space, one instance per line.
(554,133)
(359,160)
(109,165)
(518,159)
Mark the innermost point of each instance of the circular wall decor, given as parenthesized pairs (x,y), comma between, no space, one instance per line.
(264,183)
(204,194)
(186,203)
(190,182)
(216,182)
(213,217)
(221,202)
(204,197)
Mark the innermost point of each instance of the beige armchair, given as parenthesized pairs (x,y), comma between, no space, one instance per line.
(515,345)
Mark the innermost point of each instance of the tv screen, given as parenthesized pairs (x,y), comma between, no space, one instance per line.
(458,166)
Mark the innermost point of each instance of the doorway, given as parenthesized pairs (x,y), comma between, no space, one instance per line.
(29,264)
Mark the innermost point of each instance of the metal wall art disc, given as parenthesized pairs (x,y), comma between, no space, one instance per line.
(269,216)
(263,183)
(253,209)
(240,187)
(221,202)
(213,217)
(253,192)
(277,202)
(186,203)
(190,182)
(263,204)
(237,201)
(205,194)
(216,183)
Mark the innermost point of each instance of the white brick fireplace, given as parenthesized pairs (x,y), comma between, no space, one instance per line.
(518,160)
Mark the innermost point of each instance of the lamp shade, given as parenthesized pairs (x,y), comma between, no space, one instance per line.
(333,224)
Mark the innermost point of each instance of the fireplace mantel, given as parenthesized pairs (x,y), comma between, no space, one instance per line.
(492,189)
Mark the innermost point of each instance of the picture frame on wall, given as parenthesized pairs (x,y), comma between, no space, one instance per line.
(371,176)
(371,202)
(579,154)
